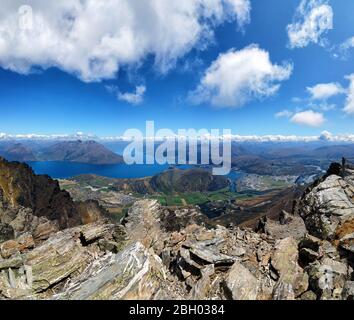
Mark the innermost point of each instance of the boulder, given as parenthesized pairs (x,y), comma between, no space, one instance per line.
(208,252)
(327,276)
(348,291)
(326,206)
(22,243)
(44,229)
(285,261)
(240,283)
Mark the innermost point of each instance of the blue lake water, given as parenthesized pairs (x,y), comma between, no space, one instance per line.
(62,170)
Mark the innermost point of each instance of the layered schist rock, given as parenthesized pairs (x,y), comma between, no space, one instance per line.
(169,253)
(93,261)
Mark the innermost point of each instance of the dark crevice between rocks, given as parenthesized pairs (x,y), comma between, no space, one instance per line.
(57,286)
(349,257)
(198,260)
(84,242)
(227,292)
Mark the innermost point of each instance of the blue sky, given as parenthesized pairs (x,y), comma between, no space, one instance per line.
(182,79)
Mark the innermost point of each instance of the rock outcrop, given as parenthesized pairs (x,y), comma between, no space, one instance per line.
(327,253)
(36,202)
(328,207)
(169,253)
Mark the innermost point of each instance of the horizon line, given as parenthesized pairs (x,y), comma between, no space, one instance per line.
(324,136)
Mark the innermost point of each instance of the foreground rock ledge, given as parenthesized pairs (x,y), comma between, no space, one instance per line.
(177,253)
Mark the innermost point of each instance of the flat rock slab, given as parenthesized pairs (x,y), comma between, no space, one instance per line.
(240,283)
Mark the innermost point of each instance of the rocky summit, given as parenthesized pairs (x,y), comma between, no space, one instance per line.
(53,249)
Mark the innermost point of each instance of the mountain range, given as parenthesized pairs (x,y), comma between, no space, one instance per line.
(71,151)
(274,158)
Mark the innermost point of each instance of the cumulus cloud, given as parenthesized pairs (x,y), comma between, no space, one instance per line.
(309,118)
(93,39)
(313,18)
(284,114)
(236,77)
(133,97)
(324,91)
(136,97)
(349,104)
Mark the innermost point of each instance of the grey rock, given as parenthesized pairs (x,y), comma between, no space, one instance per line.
(240,283)
(166,257)
(348,291)
(283,291)
(14,262)
(308,295)
(207,252)
(285,261)
(327,275)
(202,287)
(133,273)
(238,251)
(6,232)
(284,217)
(327,205)
(109,245)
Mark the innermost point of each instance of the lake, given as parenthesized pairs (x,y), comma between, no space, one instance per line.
(62,169)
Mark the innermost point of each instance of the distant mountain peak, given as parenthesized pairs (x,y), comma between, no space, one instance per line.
(82,151)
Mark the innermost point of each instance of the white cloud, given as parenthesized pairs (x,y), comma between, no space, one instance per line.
(313,18)
(135,97)
(348,44)
(242,8)
(341,51)
(236,77)
(325,136)
(324,91)
(284,114)
(349,104)
(309,118)
(35,136)
(93,39)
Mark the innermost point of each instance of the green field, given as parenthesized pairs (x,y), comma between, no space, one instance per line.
(195,198)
